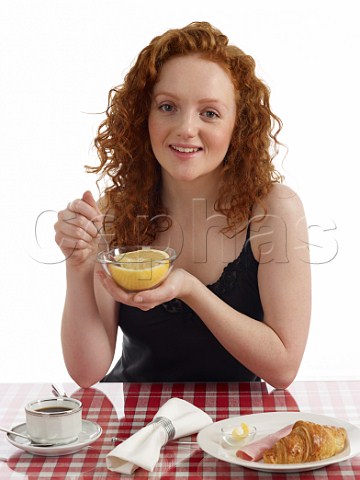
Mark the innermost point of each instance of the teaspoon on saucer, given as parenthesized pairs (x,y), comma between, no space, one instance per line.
(31,443)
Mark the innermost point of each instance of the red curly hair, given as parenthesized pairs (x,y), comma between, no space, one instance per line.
(134,195)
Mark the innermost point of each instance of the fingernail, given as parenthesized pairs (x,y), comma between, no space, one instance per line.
(138,299)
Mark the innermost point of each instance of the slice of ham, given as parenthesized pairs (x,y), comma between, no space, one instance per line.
(254,451)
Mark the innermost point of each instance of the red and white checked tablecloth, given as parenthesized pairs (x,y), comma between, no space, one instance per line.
(142,401)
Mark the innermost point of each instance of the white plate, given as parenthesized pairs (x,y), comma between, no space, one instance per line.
(209,439)
(90,432)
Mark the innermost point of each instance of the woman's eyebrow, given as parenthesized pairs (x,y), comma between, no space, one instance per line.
(212,100)
(201,100)
(166,94)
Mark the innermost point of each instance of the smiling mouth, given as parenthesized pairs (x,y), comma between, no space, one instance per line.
(185,149)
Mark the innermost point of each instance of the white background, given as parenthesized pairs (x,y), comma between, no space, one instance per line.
(59,58)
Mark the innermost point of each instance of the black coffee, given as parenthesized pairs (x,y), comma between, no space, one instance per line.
(53,409)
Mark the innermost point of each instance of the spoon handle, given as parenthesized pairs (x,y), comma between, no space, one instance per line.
(58,390)
(14,433)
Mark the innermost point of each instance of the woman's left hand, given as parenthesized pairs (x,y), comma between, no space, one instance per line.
(176,285)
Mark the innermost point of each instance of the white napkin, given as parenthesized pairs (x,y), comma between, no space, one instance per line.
(143,448)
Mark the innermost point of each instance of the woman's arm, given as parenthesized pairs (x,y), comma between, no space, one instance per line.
(88,329)
(89,322)
(272,349)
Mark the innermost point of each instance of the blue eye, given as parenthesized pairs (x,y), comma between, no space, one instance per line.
(211,114)
(166,107)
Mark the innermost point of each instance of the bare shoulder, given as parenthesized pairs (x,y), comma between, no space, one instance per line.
(282,202)
(279,226)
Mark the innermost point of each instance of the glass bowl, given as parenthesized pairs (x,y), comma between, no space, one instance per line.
(137,267)
(235,436)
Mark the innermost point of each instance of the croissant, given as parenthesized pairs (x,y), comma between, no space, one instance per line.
(307,442)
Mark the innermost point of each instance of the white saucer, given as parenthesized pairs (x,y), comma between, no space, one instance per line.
(90,432)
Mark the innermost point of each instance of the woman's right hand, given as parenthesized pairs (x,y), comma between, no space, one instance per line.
(77,230)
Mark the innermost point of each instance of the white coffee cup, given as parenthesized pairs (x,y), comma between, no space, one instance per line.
(54,420)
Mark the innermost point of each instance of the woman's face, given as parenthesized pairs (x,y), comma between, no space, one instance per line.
(192,117)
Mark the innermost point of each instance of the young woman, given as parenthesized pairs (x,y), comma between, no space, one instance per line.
(187,144)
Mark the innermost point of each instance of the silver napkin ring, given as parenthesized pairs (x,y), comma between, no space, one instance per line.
(168,426)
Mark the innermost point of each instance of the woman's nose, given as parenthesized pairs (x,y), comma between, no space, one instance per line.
(188,125)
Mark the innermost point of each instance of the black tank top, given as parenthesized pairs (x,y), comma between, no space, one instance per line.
(170,343)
